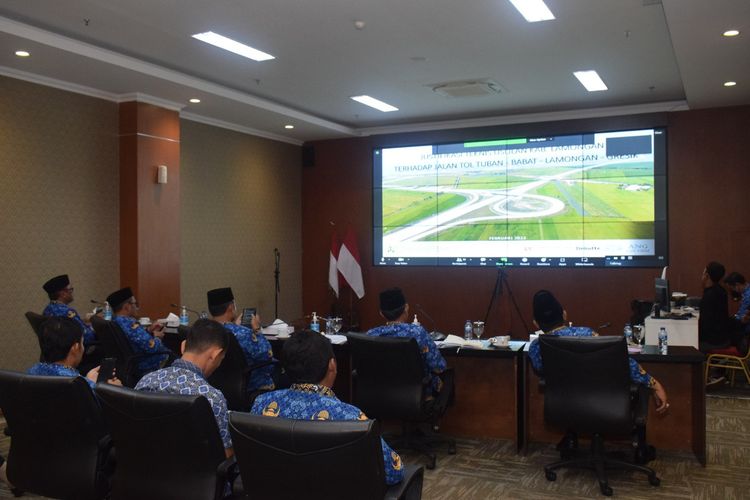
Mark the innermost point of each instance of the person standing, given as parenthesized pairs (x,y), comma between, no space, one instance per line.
(713,322)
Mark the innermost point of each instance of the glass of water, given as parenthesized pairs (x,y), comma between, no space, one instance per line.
(337,322)
(637,334)
(478,329)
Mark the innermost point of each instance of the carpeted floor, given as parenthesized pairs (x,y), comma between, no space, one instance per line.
(490,469)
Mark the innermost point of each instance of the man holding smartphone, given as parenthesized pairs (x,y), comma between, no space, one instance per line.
(62,350)
(254,345)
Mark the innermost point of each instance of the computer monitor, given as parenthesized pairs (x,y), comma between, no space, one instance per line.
(661,295)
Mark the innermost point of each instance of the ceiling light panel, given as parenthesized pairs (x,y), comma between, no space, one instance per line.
(590,80)
(533,10)
(233,46)
(374,103)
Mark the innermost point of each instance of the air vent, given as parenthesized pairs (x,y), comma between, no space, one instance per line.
(468,88)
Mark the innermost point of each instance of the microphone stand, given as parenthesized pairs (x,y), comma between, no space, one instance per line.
(500,282)
(276,272)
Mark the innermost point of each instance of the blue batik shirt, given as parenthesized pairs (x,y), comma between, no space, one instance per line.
(142,342)
(637,374)
(432,361)
(183,377)
(257,349)
(58,309)
(744,304)
(56,370)
(317,402)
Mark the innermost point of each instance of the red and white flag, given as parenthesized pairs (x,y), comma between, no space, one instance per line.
(348,263)
(333,272)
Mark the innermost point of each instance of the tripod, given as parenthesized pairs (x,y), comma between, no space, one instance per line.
(500,282)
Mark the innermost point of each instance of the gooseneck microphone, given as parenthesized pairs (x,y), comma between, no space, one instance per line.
(436,335)
(187,309)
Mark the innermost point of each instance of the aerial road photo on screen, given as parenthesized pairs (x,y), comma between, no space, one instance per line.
(570,196)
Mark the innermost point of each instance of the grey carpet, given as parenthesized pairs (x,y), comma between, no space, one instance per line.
(490,469)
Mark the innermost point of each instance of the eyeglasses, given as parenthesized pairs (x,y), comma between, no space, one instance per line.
(68,289)
(134,303)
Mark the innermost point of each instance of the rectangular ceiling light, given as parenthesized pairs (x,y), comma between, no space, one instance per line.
(374,103)
(591,80)
(533,10)
(233,46)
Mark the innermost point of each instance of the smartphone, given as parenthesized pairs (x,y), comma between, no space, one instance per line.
(247,316)
(107,370)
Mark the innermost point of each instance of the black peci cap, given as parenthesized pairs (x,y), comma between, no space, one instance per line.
(56,284)
(392,299)
(116,299)
(546,308)
(219,296)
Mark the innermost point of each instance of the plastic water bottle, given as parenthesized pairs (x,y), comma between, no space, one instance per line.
(663,340)
(107,311)
(314,325)
(467,330)
(628,333)
(184,318)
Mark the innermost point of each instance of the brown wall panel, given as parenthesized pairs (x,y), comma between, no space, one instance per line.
(708,178)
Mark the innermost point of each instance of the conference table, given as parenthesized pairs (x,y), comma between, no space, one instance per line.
(498,395)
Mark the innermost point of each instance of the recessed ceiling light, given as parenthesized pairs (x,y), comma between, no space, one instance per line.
(374,103)
(591,80)
(195,100)
(289,126)
(533,10)
(232,46)
(731,33)
(22,53)
(730,84)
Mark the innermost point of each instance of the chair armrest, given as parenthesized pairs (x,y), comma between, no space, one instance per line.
(410,488)
(228,470)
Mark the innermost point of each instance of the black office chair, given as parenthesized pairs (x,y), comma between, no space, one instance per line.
(116,345)
(36,321)
(167,445)
(232,376)
(327,460)
(91,358)
(389,384)
(587,389)
(59,444)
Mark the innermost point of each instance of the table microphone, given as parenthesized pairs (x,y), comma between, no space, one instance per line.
(187,309)
(434,334)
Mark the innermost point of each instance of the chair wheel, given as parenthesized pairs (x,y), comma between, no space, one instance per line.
(606,490)
(431,462)
(654,481)
(550,475)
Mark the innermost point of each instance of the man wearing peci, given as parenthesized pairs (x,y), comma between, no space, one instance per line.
(551,318)
(254,345)
(309,361)
(60,294)
(142,340)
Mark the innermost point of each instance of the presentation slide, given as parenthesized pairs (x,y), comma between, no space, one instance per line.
(595,199)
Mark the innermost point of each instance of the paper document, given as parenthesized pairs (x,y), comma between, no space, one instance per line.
(336,339)
(456,341)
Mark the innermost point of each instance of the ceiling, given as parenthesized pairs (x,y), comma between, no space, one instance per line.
(653,55)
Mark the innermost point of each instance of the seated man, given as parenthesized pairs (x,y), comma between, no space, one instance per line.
(395,310)
(202,352)
(713,324)
(309,361)
(740,322)
(142,340)
(253,343)
(551,318)
(61,295)
(62,349)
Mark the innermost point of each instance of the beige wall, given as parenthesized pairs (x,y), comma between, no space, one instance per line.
(58,204)
(240,199)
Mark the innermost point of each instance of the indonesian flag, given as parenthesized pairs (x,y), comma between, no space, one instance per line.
(333,272)
(348,263)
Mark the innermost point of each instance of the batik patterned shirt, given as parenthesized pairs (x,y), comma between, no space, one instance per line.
(637,374)
(183,377)
(315,402)
(142,342)
(744,304)
(432,361)
(58,309)
(57,370)
(257,349)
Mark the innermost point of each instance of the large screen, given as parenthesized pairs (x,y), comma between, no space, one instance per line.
(576,200)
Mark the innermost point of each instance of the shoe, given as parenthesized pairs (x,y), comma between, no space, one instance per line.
(712,381)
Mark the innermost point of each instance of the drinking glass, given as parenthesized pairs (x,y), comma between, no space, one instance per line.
(638,334)
(329,325)
(337,322)
(478,329)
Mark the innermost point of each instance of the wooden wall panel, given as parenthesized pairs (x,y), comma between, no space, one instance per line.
(708,178)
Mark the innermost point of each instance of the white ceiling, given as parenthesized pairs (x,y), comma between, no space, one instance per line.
(653,56)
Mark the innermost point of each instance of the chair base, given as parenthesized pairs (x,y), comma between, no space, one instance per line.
(599,462)
(423,440)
